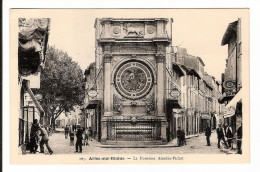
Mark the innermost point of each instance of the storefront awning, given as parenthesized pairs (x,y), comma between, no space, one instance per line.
(230,108)
(37,104)
(93,104)
(174,104)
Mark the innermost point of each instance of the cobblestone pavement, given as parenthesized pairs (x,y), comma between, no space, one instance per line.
(195,145)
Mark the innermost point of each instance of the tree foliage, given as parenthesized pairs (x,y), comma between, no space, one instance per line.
(62,85)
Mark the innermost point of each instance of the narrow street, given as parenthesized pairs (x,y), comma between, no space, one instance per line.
(195,145)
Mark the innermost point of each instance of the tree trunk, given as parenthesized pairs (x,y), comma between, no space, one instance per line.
(53,122)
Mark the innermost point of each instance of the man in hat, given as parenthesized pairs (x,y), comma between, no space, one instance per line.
(79,139)
(221,135)
(44,140)
(208,134)
(179,136)
(229,135)
(33,136)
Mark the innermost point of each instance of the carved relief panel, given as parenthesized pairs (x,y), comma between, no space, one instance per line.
(133,88)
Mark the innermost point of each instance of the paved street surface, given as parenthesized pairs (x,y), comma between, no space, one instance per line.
(195,145)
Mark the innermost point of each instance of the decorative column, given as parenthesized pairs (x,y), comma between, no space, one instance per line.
(107,85)
(107,94)
(160,58)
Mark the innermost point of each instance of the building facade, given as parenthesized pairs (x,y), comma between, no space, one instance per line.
(129,80)
(33,39)
(141,89)
(231,78)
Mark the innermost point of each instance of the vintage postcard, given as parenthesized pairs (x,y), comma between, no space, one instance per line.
(129,86)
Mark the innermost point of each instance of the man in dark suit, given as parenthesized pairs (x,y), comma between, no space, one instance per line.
(221,136)
(79,139)
(208,134)
(179,136)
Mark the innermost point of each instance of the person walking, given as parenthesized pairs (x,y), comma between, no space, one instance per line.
(208,134)
(50,130)
(79,139)
(44,140)
(90,133)
(183,139)
(239,139)
(229,135)
(70,129)
(33,136)
(179,135)
(221,135)
(71,138)
(66,131)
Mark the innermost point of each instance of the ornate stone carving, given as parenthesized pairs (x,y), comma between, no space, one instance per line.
(117,104)
(150,29)
(150,104)
(160,58)
(160,48)
(107,58)
(116,30)
(107,47)
(134,29)
(133,79)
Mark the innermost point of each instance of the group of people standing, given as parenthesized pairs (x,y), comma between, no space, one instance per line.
(39,135)
(225,132)
(83,136)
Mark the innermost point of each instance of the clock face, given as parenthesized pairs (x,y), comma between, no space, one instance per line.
(133,79)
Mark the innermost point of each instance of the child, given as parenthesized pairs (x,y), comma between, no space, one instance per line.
(85,138)
(71,138)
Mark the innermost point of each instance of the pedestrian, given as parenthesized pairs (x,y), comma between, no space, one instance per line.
(66,131)
(79,139)
(33,136)
(70,129)
(44,140)
(221,135)
(225,127)
(239,139)
(50,130)
(183,140)
(179,136)
(90,133)
(47,129)
(208,134)
(229,135)
(85,138)
(71,138)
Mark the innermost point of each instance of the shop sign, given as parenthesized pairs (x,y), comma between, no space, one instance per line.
(229,85)
(175,93)
(230,111)
(92,93)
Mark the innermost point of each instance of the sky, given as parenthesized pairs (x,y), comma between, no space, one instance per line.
(198,30)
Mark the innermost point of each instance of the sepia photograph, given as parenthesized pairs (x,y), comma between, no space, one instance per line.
(129,86)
